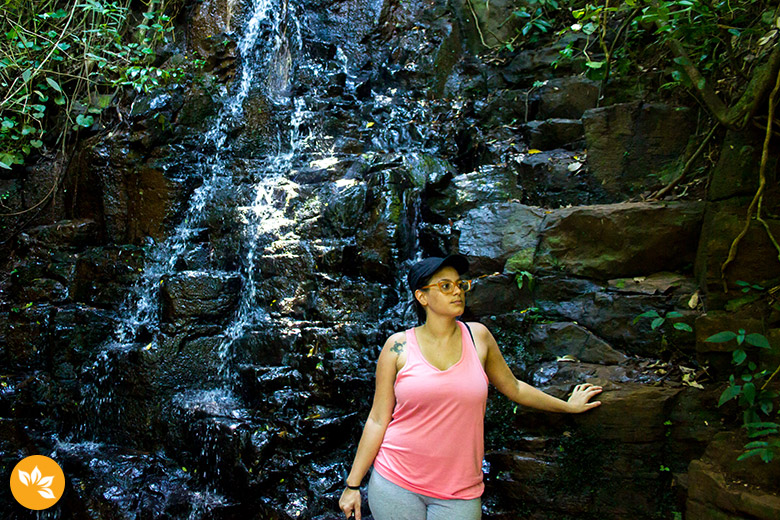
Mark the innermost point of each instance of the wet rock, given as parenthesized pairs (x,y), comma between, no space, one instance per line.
(493,234)
(259,382)
(102,275)
(188,363)
(447,56)
(200,295)
(626,239)
(426,169)
(108,182)
(721,487)
(112,482)
(197,107)
(43,290)
(78,331)
(211,18)
(66,234)
(636,146)
(489,184)
(566,338)
(557,178)
(27,335)
(567,98)
(265,346)
(553,133)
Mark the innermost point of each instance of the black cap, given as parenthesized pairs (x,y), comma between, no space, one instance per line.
(424,269)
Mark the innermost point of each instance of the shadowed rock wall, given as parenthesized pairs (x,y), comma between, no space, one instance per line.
(420,146)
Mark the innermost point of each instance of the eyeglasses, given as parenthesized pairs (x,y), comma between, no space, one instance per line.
(448,286)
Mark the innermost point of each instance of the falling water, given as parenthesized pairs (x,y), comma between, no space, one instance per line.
(142,309)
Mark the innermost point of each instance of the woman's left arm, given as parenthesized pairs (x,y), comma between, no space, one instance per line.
(503,379)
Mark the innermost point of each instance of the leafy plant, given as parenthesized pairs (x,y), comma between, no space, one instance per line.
(522,277)
(62,63)
(756,400)
(659,320)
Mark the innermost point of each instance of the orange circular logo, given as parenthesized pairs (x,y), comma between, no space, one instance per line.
(37,482)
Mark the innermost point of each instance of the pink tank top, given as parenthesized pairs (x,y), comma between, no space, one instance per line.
(434,444)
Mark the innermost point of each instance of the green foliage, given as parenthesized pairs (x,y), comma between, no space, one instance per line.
(723,40)
(63,61)
(748,385)
(659,320)
(524,279)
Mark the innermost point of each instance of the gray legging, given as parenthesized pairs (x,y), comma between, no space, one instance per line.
(389,501)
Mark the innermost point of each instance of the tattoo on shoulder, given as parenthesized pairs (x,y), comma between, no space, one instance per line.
(398,347)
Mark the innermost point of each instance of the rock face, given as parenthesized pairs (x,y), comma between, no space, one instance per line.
(634,146)
(620,239)
(192,325)
(719,487)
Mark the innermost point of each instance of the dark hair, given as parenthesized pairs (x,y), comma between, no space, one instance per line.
(419,310)
(420,275)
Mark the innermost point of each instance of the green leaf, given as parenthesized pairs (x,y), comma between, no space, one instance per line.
(26,75)
(648,314)
(701,83)
(85,121)
(729,393)
(749,392)
(657,323)
(757,340)
(767,425)
(751,453)
(673,314)
(738,357)
(35,143)
(762,433)
(721,337)
(683,326)
(683,61)
(53,84)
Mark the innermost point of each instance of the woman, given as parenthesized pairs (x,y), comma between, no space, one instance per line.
(424,434)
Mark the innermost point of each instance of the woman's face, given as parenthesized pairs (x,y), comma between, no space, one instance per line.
(435,300)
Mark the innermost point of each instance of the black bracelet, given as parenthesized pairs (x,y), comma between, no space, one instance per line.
(353,487)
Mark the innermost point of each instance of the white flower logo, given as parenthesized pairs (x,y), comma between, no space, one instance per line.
(37,479)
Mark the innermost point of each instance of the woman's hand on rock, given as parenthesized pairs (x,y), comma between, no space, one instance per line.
(581,396)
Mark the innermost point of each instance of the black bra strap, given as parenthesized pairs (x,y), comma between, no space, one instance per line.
(470,334)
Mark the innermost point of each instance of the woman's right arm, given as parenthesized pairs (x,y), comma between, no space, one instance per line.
(376,424)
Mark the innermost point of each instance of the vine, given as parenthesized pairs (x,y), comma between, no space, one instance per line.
(758,198)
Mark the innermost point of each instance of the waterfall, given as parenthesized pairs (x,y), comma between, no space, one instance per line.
(268,65)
